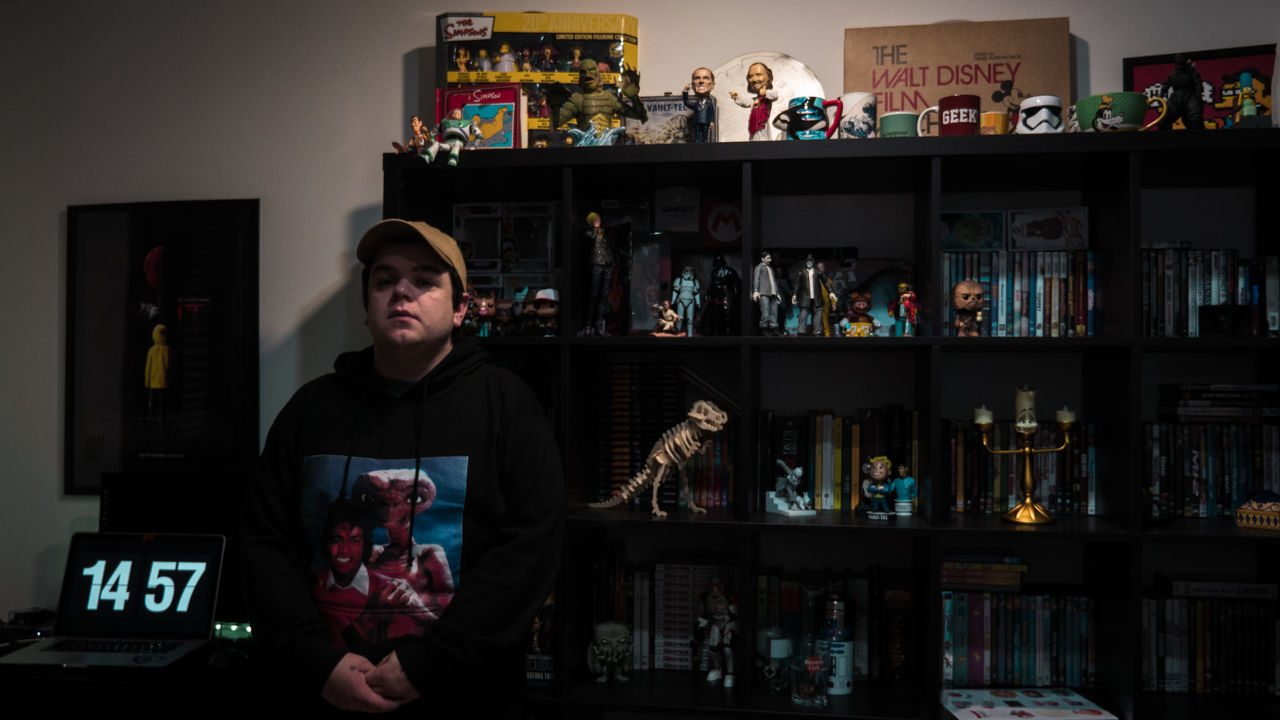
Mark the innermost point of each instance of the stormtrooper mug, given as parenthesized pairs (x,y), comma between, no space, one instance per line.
(1040,114)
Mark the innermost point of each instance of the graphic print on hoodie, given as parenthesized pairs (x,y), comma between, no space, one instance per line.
(385,566)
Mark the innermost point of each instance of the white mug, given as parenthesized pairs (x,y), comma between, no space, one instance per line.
(1040,114)
(858,118)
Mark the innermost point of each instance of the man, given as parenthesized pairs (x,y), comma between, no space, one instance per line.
(760,85)
(764,292)
(421,399)
(702,104)
(809,293)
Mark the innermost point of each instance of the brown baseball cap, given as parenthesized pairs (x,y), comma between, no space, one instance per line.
(396,230)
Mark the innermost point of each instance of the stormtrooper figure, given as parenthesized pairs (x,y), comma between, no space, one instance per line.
(686,296)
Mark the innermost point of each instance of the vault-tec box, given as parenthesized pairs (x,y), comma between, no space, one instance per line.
(910,67)
(533,49)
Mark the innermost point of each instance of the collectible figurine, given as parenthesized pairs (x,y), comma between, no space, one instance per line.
(483,63)
(462,58)
(904,492)
(1184,95)
(594,109)
(789,494)
(601,276)
(720,317)
(686,294)
(546,58)
(876,487)
(808,295)
(503,315)
(156,372)
(546,310)
(764,292)
(610,653)
(454,134)
(418,142)
(668,320)
(673,451)
(506,59)
(718,626)
(702,105)
(484,313)
(966,300)
(904,310)
(760,85)
(861,323)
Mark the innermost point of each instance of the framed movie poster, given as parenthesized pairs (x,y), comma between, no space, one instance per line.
(162,340)
(1223,74)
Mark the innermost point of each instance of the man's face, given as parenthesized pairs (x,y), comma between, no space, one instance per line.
(411,299)
(702,81)
(346,549)
(757,78)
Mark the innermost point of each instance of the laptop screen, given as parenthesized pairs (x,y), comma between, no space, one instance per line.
(162,586)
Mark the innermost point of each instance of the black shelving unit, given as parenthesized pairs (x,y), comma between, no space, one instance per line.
(885,197)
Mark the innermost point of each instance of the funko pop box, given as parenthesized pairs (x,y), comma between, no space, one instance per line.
(533,49)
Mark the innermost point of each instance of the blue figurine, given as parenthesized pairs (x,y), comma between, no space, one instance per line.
(904,492)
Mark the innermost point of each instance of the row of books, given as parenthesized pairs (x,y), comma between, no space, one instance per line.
(1210,645)
(1022,639)
(1028,293)
(1207,470)
(833,448)
(981,482)
(1178,282)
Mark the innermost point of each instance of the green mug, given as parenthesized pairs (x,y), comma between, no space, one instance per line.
(1123,110)
(898,124)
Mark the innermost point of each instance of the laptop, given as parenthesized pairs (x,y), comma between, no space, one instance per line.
(131,600)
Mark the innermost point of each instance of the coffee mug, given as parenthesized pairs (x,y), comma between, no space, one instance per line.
(957,115)
(858,115)
(806,118)
(1118,111)
(898,124)
(994,123)
(1040,114)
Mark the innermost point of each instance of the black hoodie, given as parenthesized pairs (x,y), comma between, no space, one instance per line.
(480,433)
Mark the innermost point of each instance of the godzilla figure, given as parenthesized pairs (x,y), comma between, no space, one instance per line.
(672,451)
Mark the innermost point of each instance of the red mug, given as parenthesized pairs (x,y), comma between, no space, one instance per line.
(957,115)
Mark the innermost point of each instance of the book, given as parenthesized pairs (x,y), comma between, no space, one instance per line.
(1024,703)
(498,110)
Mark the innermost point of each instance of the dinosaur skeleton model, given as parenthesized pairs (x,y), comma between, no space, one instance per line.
(672,451)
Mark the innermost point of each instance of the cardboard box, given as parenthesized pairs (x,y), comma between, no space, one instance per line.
(909,67)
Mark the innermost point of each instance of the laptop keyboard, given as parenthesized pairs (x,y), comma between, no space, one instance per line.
(131,647)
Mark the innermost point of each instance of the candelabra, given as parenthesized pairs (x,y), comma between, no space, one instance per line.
(1028,511)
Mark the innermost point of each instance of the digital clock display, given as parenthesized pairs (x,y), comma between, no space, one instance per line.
(140,585)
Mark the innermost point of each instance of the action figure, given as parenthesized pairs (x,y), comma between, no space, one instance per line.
(760,85)
(860,321)
(483,63)
(546,311)
(462,58)
(686,294)
(484,314)
(668,320)
(966,300)
(610,652)
(594,109)
(808,295)
(506,59)
(904,310)
(601,275)
(418,142)
(1184,95)
(702,105)
(789,489)
(764,292)
(720,317)
(876,487)
(156,372)
(718,626)
(455,133)
(904,492)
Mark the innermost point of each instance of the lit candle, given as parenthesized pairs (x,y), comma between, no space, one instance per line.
(982,416)
(1065,416)
(1024,408)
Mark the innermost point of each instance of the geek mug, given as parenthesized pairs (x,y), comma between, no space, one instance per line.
(957,115)
(858,115)
(806,118)
(994,123)
(898,124)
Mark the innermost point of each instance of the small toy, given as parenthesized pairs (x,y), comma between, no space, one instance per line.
(764,292)
(966,300)
(156,372)
(593,108)
(860,321)
(788,496)
(455,133)
(506,59)
(462,58)
(760,86)
(609,656)
(1184,94)
(673,451)
(668,320)
(876,487)
(483,63)
(503,316)
(904,309)
(720,317)
(718,626)
(546,311)
(484,314)
(417,143)
(601,275)
(809,294)
(904,492)
(686,295)
(702,105)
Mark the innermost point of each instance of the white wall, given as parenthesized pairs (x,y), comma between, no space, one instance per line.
(293,102)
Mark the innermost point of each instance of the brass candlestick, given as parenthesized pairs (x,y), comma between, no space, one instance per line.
(1027,512)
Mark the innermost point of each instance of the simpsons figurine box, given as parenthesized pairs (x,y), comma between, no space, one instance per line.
(533,49)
